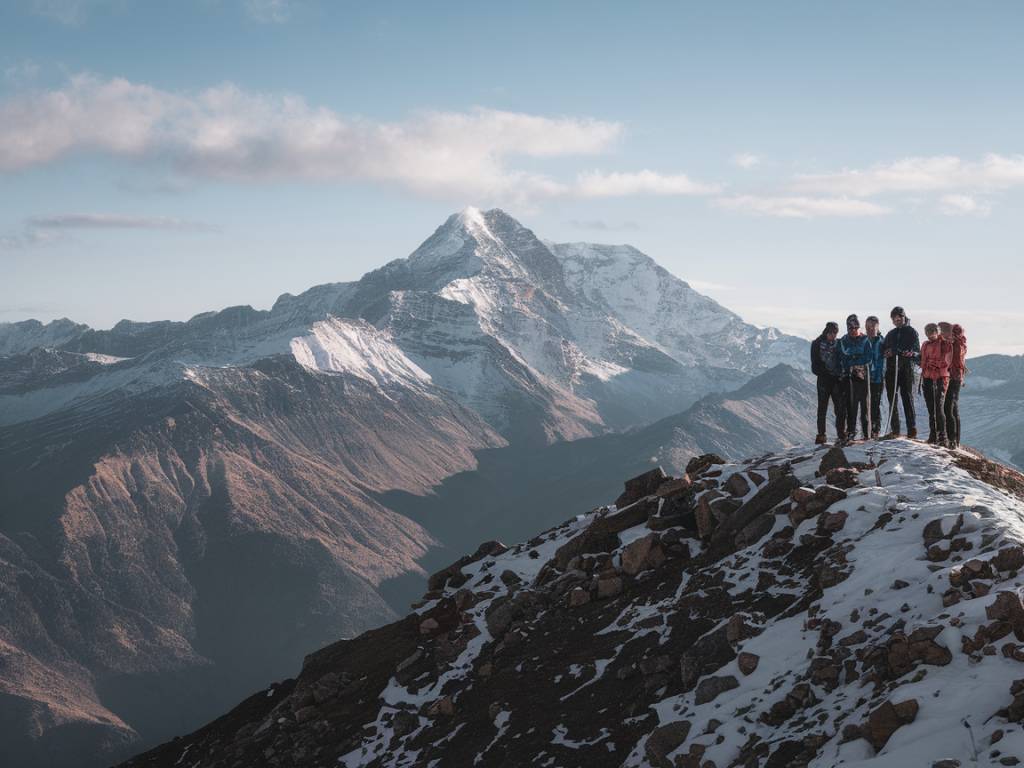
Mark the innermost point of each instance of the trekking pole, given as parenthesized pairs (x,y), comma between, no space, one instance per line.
(895,384)
(868,435)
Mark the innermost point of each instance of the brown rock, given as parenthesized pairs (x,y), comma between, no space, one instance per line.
(884,721)
(747,662)
(1009,558)
(699,464)
(736,628)
(642,555)
(1007,607)
(442,707)
(833,458)
(710,688)
(664,739)
(842,477)
(428,625)
(610,587)
(831,522)
(641,485)
(737,485)
(578,597)
(801,495)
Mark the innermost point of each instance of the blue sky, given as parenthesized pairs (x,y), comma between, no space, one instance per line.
(796,161)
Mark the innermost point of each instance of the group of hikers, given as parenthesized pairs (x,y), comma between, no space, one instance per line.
(854,370)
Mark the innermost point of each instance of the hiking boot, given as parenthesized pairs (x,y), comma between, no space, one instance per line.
(912,434)
(820,440)
(874,434)
(932,439)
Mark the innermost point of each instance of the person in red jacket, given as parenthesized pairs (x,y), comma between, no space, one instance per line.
(936,356)
(954,334)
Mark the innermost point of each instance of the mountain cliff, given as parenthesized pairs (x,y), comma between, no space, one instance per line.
(808,607)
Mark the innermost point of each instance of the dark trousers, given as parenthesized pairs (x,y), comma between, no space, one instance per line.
(952,411)
(904,385)
(934,395)
(831,388)
(856,402)
(876,407)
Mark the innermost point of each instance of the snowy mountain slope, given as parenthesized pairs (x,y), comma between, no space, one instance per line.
(545,341)
(753,614)
(144,535)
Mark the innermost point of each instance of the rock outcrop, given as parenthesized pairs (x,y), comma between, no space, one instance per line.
(828,638)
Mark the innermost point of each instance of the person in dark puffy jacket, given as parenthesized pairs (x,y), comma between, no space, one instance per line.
(855,362)
(902,353)
(876,365)
(826,366)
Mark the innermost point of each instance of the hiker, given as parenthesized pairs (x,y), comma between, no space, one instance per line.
(877,370)
(902,352)
(825,365)
(957,374)
(936,357)
(855,361)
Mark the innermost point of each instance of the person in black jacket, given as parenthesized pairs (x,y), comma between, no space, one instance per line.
(825,364)
(902,354)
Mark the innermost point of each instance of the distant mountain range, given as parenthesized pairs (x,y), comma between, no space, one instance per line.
(173,492)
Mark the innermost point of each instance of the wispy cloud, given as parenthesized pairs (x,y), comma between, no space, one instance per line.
(746,160)
(645,182)
(599,225)
(919,174)
(964,205)
(116,221)
(47,230)
(801,207)
(227,133)
(268,11)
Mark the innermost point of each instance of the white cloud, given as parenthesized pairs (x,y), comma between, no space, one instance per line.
(114,221)
(964,205)
(645,182)
(268,11)
(227,133)
(920,174)
(801,207)
(46,230)
(746,160)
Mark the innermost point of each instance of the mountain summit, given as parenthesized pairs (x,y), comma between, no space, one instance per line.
(814,607)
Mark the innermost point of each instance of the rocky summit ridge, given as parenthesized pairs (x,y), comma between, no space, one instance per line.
(813,607)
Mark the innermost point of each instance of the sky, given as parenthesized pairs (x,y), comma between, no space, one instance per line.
(796,161)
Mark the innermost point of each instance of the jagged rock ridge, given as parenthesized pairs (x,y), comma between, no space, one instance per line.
(810,607)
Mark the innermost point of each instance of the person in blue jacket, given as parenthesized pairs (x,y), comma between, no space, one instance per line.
(855,363)
(877,371)
(902,354)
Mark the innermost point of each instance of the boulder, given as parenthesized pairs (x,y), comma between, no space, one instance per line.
(609,587)
(747,662)
(884,721)
(710,688)
(699,464)
(642,555)
(737,485)
(442,707)
(578,596)
(842,477)
(754,531)
(832,459)
(663,740)
(1007,607)
(641,485)
(1009,558)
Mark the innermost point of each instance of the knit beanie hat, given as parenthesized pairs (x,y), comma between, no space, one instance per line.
(852,322)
